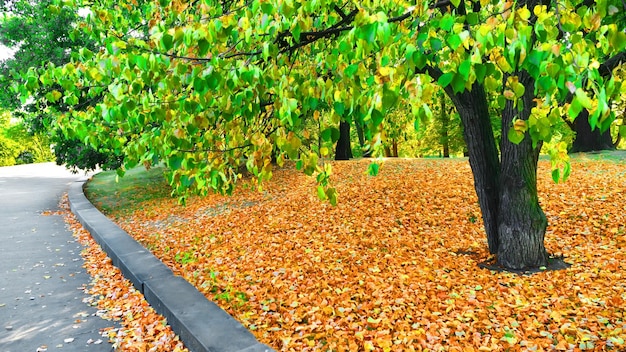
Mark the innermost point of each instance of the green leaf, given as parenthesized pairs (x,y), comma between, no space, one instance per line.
(199,85)
(491,83)
(458,84)
(583,99)
(390,97)
(332,195)
(454,40)
(455,3)
(330,134)
(167,42)
(446,22)
(367,32)
(267,7)
(295,32)
(409,51)
(574,109)
(321,194)
(515,136)
(373,169)
(350,70)
(472,18)
(465,68)
(203,46)
(339,108)
(445,79)
(518,89)
(556,175)
(377,117)
(175,162)
(213,81)
(622,131)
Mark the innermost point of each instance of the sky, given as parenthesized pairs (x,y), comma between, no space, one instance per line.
(5,52)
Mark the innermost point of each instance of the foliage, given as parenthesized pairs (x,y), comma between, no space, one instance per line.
(17,146)
(210,88)
(393,267)
(8,150)
(443,126)
(41,37)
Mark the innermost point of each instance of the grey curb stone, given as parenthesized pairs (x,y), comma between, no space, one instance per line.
(200,323)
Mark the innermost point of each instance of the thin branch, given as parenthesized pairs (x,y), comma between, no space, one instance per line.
(213,150)
(225,54)
(340,12)
(249,53)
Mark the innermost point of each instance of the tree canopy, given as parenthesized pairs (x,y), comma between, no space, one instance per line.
(208,86)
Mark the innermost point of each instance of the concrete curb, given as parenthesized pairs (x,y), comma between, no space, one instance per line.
(200,323)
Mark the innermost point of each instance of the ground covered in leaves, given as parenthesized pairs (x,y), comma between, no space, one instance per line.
(394,267)
(141,328)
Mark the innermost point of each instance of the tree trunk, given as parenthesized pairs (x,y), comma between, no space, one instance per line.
(343,150)
(521,222)
(394,148)
(473,110)
(588,140)
(445,119)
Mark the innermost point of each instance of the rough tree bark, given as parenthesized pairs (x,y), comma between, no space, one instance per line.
(507,189)
(343,150)
(521,221)
(473,110)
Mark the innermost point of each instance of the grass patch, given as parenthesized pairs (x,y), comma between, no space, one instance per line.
(604,155)
(111,193)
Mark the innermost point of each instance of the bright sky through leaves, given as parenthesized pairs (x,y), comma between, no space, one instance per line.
(5,53)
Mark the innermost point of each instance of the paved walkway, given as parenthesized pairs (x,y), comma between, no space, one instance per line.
(41,274)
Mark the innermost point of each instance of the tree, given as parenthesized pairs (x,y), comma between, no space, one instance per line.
(43,37)
(219,84)
(593,139)
(17,146)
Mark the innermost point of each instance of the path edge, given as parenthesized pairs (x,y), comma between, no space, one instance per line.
(201,324)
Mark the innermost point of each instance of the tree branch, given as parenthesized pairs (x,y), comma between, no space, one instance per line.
(606,68)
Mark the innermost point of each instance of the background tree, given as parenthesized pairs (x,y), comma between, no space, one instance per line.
(17,146)
(594,139)
(42,37)
(218,85)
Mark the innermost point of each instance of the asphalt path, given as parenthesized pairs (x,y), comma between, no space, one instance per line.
(42,303)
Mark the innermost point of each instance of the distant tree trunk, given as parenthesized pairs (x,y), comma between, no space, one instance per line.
(343,150)
(521,221)
(367,152)
(391,151)
(445,122)
(588,140)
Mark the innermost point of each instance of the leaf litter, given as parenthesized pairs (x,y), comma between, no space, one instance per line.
(142,329)
(394,266)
